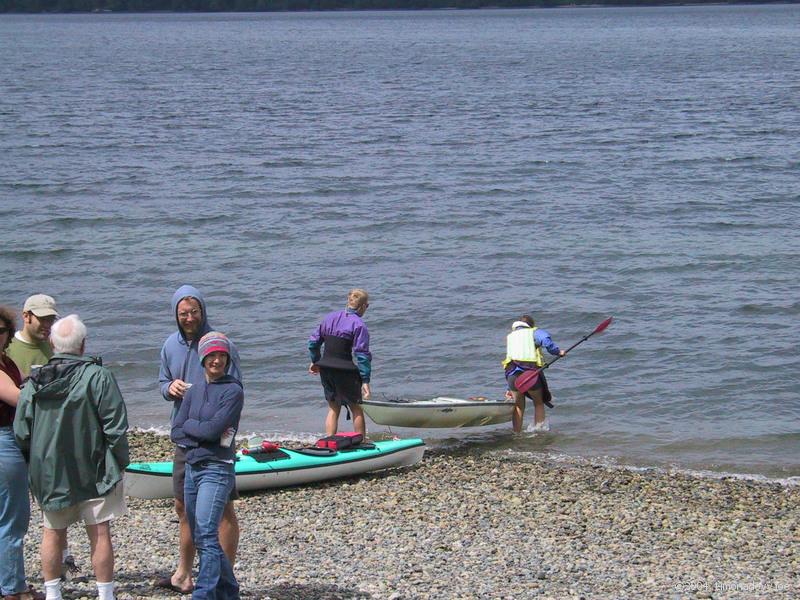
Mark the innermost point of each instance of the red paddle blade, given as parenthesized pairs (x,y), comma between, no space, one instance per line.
(603,325)
(526,381)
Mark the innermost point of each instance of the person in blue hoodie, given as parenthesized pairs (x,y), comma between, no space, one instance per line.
(205,427)
(180,370)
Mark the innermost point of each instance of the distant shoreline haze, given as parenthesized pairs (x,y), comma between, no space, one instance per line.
(86,6)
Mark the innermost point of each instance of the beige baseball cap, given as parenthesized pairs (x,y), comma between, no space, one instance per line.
(40,305)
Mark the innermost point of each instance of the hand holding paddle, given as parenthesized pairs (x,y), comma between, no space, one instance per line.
(529,378)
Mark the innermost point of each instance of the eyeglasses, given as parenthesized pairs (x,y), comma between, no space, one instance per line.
(4,330)
(187,313)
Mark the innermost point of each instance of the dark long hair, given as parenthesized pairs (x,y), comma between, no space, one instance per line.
(9,318)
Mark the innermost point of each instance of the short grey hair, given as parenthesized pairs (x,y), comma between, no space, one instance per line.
(67,335)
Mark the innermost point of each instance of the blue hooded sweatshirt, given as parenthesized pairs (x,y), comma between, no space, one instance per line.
(209,409)
(179,358)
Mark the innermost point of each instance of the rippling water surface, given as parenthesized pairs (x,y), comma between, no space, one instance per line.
(464,167)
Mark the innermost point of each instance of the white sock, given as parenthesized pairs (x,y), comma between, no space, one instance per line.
(105,591)
(52,589)
(64,555)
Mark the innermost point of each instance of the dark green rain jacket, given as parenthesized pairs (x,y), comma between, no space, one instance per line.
(71,425)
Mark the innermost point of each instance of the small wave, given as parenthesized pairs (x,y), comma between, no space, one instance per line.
(28,254)
(683,136)
(287,162)
(612,463)
(79,220)
(770,309)
(302,437)
(505,255)
(737,159)
(160,431)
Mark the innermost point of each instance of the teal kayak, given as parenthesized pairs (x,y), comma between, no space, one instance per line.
(284,467)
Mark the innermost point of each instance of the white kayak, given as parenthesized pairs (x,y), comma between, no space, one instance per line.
(284,467)
(438,412)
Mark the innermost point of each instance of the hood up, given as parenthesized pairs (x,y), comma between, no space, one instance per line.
(191,292)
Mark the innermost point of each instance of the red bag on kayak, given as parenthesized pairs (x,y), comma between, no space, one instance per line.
(265,447)
(340,441)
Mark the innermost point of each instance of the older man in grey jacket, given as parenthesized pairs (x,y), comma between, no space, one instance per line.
(72,425)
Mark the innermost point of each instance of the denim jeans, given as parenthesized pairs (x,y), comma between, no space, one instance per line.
(206,491)
(15,512)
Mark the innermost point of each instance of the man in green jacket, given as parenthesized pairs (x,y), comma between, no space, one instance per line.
(71,425)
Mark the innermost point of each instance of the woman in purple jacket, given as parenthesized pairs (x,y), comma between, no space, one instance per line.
(342,335)
(206,427)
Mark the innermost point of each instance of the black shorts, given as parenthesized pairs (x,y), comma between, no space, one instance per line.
(179,475)
(341,386)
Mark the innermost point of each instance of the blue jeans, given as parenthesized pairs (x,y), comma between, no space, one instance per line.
(15,512)
(206,492)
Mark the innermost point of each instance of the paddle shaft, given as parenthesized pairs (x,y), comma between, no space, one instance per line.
(527,380)
(578,343)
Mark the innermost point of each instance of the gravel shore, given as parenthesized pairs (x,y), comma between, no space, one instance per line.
(462,525)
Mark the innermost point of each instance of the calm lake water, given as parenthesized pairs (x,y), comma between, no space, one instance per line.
(464,167)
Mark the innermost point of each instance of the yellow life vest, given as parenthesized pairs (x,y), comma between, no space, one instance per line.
(521,347)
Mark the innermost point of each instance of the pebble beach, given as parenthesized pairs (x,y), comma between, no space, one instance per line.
(479,524)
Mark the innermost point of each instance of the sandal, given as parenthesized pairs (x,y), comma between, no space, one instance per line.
(166,584)
(31,594)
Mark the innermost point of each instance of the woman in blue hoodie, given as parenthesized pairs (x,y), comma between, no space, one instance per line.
(206,426)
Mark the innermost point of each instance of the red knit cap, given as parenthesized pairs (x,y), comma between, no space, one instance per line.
(213,341)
